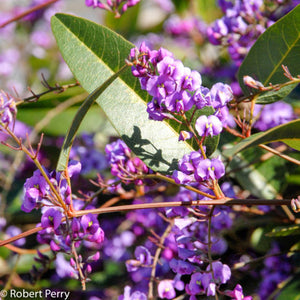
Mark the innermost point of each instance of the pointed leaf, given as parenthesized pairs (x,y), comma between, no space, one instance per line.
(94,53)
(288,133)
(278,45)
(263,179)
(285,231)
(63,160)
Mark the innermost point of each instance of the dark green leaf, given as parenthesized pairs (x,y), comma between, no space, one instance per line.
(288,133)
(285,231)
(263,179)
(94,53)
(82,111)
(291,291)
(278,45)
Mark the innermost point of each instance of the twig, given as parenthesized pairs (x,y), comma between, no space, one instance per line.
(27,12)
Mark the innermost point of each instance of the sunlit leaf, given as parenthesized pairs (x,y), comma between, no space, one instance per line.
(278,45)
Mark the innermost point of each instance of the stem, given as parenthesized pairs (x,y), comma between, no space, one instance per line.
(170,180)
(39,166)
(209,246)
(27,12)
(156,258)
(286,157)
(122,208)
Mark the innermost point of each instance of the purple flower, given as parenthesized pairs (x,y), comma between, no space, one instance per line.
(166,289)
(210,125)
(221,271)
(237,293)
(137,295)
(272,115)
(160,86)
(181,267)
(209,169)
(220,94)
(201,97)
(143,255)
(51,218)
(171,67)
(191,80)
(8,108)
(196,284)
(36,188)
(185,135)
(13,231)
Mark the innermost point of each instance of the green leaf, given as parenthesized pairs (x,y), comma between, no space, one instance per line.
(263,179)
(82,111)
(291,291)
(278,45)
(285,231)
(288,133)
(94,53)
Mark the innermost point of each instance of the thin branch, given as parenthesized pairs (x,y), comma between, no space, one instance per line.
(27,12)
(286,157)
(122,208)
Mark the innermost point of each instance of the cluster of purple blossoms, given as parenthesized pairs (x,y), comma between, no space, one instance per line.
(194,168)
(123,164)
(204,283)
(116,6)
(175,88)
(244,21)
(276,270)
(272,115)
(37,191)
(8,109)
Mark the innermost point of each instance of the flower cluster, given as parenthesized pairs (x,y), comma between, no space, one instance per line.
(272,115)
(116,6)
(244,21)
(123,164)
(194,168)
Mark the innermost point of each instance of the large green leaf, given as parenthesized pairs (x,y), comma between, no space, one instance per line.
(94,53)
(288,133)
(263,179)
(278,45)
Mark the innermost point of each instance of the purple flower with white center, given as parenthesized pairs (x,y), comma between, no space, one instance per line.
(220,94)
(166,289)
(178,101)
(191,80)
(209,169)
(51,218)
(171,67)
(160,86)
(201,97)
(196,284)
(210,125)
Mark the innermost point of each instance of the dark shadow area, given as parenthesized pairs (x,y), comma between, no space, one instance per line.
(154,159)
